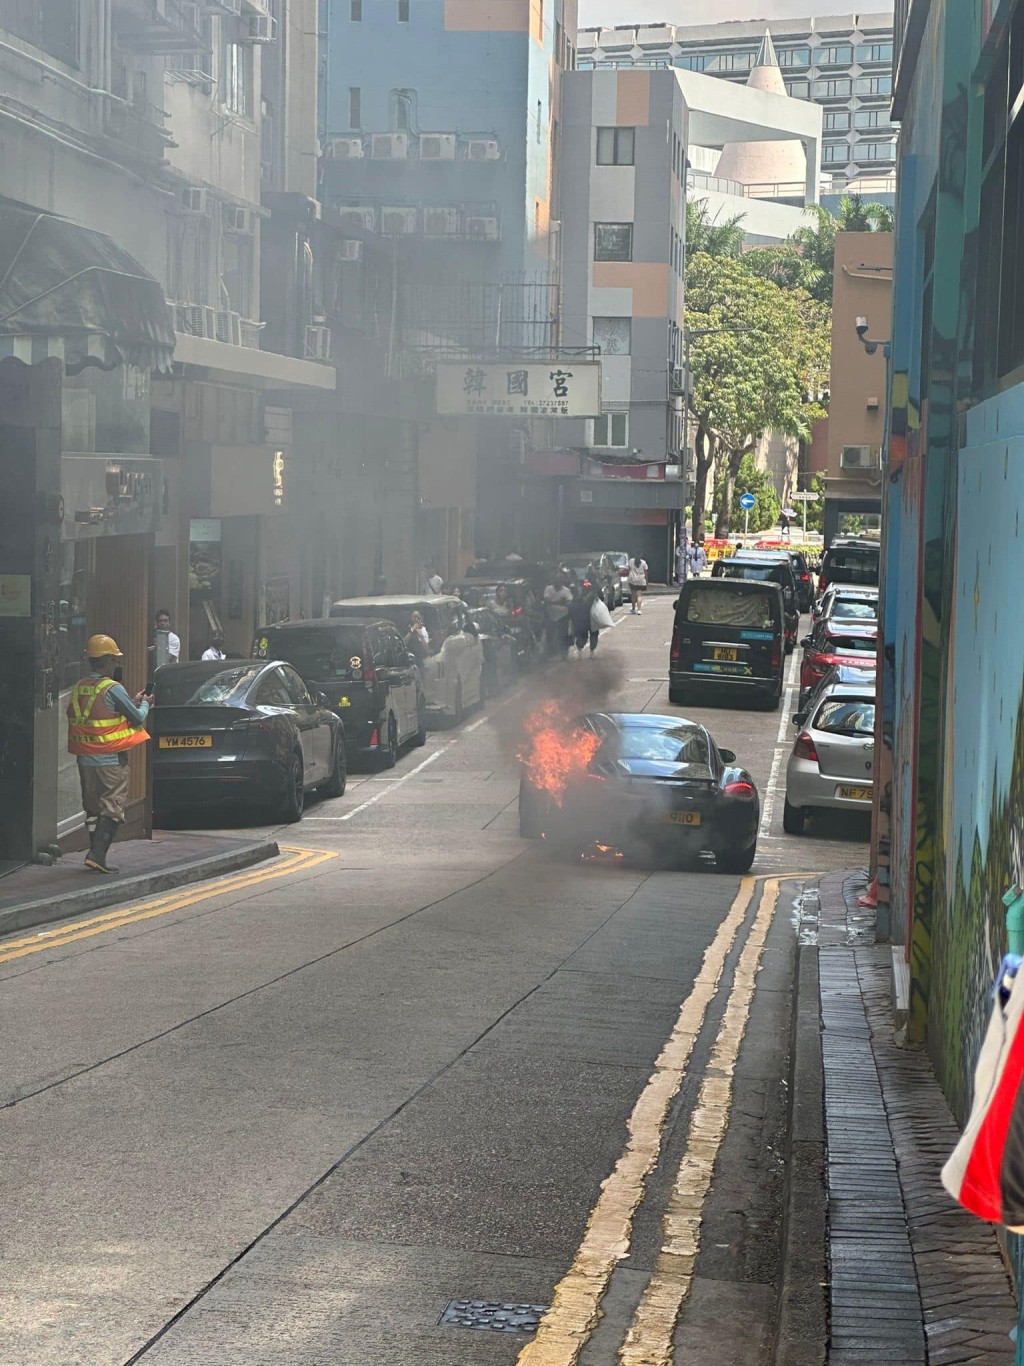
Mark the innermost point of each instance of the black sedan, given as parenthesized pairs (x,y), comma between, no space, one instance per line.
(630,781)
(245,732)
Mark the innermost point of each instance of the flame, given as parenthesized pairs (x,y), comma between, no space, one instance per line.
(553,753)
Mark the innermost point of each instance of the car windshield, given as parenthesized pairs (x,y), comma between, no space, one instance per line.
(853,565)
(483,596)
(319,654)
(722,607)
(397,614)
(672,745)
(854,611)
(846,716)
(619,558)
(185,687)
(751,569)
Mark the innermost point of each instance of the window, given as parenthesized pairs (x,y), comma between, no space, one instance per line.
(50,25)
(236,78)
(733,61)
(610,429)
(799,90)
(836,120)
(841,54)
(355,102)
(874,85)
(403,11)
(613,241)
(295,688)
(834,90)
(613,335)
(615,146)
(836,152)
(876,151)
(355,12)
(872,118)
(694,62)
(794,56)
(874,52)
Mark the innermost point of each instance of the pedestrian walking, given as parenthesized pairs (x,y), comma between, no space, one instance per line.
(104,723)
(215,649)
(636,579)
(682,557)
(698,559)
(580,617)
(557,601)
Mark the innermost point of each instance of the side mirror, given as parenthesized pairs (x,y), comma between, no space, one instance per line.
(728,756)
(806,643)
(798,718)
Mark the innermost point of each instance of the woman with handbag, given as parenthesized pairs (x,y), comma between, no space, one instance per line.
(636,580)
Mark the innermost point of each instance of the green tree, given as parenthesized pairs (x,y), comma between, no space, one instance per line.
(759,358)
(710,236)
(749,479)
(816,511)
(806,260)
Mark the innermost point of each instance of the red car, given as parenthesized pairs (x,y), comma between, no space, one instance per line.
(833,642)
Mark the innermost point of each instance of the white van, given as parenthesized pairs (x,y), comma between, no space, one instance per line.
(451,671)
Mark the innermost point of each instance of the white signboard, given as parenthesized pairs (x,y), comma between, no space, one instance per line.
(563,388)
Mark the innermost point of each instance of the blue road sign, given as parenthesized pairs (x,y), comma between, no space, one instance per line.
(747,501)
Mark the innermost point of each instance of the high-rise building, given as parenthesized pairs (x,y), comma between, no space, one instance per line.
(842,62)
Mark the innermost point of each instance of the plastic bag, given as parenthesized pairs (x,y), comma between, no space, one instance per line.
(600,617)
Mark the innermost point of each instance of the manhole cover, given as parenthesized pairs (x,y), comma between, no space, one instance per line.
(493,1316)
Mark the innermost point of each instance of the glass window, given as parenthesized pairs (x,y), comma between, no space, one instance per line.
(695,61)
(839,89)
(876,151)
(799,90)
(355,102)
(872,118)
(272,691)
(846,716)
(874,85)
(733,61)
(613,241)
(836,120)
(236,78)
(295,688)
(836,152)
(50,25)
(355,11)
(840,54)
(611,429)
(794,56)
(673,745)
(875,52)
(615,146)
(613,335)
(403,11)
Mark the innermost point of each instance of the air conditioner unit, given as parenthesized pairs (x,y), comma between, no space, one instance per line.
(483,149)
(237,219)
(318,343)
(195,199)
(437,146)
(350,251)
(257,28)
(389,146)
(344,149)
(485,229)
(440,222)
(676,380)
(857,458)
(397,222)
(195,320)
(357,219)
(228,327)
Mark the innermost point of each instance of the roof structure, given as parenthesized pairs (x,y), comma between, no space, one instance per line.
(764,163)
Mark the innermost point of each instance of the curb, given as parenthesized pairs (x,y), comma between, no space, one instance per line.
(801,1331)
(39,912)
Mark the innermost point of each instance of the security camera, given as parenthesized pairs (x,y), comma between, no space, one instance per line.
(862,327)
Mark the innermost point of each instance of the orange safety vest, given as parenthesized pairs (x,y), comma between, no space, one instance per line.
(94,727)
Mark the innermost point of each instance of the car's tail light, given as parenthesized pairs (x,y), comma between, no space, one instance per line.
(776,657)
(374,738)
(675,651)
(804,748)
(745,791)
(805,578)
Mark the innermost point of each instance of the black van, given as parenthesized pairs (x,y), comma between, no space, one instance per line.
(770,568)
(364,670)
(848,560)
(728,638)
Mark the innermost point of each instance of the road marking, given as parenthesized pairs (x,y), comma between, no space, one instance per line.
(649,1339)
(391,787)
(575,1307)
(46,940)
(781,752)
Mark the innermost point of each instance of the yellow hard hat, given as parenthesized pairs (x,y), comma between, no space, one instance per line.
(100,647)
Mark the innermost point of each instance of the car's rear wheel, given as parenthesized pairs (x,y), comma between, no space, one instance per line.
(736,860)
(335,784)
(530,824)
(294,792)
(677,696)
(771,702)
(794,818)
(420,738)
(387,747)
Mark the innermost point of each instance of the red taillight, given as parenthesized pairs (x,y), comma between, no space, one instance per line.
(674,652)
(776,657)
(805,578)
(804,748)
(374,738)
(739,789)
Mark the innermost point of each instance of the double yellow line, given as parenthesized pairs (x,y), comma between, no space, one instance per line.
(43,941)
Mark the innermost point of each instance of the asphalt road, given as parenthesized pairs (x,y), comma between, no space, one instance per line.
(291,1116)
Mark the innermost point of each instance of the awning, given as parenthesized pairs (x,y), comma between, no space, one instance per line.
(73,293)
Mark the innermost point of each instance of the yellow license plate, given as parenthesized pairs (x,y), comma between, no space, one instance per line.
(684,817)
(721,652)
(186,742)
(854,794)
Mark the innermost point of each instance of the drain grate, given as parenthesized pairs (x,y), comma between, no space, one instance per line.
(493,1316)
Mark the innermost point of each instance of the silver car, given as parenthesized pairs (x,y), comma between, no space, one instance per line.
(846,600)
(833,759)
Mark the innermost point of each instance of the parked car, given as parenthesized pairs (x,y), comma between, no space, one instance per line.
(499,647)
(366,673)
(518,606)
(839,673)
(583,562)
(656,783)
(620,559)
(845,599)
(536,574)
(452,665)
(765,567)
(836,642)
(243,732)
(832,763)
(848,560)
(728,638)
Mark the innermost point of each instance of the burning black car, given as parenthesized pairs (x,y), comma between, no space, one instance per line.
(629,781)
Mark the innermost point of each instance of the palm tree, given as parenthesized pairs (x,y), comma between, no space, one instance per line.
(712,236)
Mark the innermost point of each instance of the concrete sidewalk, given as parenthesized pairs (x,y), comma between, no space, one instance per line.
(34,894)
(913,1278)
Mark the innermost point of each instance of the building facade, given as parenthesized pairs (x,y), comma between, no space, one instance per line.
(843,62)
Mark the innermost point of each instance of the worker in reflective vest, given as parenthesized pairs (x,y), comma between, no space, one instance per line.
(104,723)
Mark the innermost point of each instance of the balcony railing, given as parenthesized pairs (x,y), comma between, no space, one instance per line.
(782,191)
